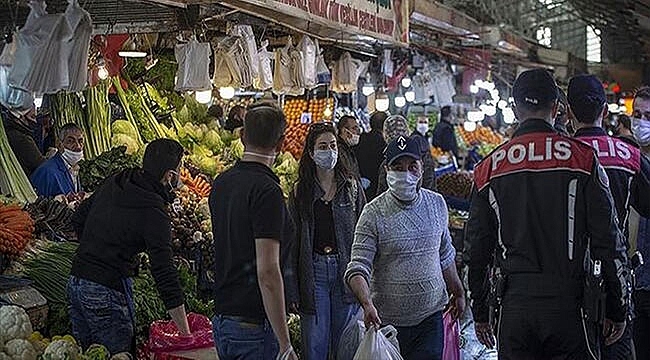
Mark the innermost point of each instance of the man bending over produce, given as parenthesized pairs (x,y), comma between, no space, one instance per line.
(60,174)
(125,217)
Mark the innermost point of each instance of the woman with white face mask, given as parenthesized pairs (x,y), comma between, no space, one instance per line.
(325,207)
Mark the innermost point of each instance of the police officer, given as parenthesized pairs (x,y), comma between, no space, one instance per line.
(627,170)
(541,205)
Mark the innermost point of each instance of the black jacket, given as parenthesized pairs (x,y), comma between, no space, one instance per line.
(370,155)
(538,201)
(125,217)
(444,137)
(627,169)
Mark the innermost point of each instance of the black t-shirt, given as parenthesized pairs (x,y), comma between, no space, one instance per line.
(324,236)
(246,203)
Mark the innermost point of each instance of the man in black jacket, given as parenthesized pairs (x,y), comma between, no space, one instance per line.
(370,154)
(125,217)
(444,136)
(541,203)
(627,169)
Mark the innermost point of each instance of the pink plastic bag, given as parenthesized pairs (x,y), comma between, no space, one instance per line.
(165,337)
(451,349)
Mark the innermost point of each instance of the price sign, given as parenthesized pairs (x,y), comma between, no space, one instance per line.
(305,118)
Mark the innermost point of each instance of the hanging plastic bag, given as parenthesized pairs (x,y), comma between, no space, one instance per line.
(222,76)
(193,61)
(451,348)
(238,63)
(308,49)
(285,74)
(227,71)
(376,346)
(81,28)
(323,75)
(249,47)
(264,79)
(164,336)
(298,83)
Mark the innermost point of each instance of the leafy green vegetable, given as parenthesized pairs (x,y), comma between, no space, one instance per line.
(13,181)
(93,172)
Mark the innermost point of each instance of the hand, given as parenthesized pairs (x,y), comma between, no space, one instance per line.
(485,335)
(294,308)
(287,354)
(457,306)
(371,317)
(612,331)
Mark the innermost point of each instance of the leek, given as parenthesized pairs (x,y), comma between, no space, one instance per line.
(13,181)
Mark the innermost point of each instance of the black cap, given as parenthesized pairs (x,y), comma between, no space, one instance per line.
(586,97)
(534,88)
(402,146)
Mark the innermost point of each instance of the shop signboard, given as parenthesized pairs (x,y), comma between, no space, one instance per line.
(386,20)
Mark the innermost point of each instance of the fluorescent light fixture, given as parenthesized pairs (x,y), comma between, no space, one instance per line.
(410,95)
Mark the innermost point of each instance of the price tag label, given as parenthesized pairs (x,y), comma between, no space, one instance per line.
(305,118)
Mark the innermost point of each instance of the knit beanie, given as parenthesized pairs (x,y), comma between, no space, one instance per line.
(394,126)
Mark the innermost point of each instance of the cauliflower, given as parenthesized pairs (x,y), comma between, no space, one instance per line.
(19,349)
(62,350)
(14,324)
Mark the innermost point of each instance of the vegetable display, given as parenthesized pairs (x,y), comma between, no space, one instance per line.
(66,109)
(13,181)
(198,184)
(97,120)
(52,219)
(482,135)
(16,229)
(457,184)
(93,172)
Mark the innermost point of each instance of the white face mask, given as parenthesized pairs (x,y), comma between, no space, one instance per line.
(326,159)
(354,140)
(641,130)
(403,184)
(422,128)
(72,157)
(177,184)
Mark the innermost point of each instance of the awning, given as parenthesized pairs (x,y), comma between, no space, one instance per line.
(349,21)
(446,20)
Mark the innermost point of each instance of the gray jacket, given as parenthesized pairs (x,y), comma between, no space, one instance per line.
(299,270)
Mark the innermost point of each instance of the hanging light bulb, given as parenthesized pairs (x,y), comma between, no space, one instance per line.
(508,116)
(502,104)
(382,103)
(38,101)
(400,100)
(410,95)
(495,94)
(469,126)
(102,72)
(367,89)
(227,93)
(489,86)
(475,116)
(474,89)
(175,80)
(490,110)
(406,82)
(327,113)
(203,96)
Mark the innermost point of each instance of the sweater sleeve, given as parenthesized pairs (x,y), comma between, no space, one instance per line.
(364,247)
(447,251)
(157,239)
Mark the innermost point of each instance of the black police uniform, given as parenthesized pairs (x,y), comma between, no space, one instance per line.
(540,201)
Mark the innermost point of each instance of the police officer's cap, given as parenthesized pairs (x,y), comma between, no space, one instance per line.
(534,88)
(402,146)
(586,97)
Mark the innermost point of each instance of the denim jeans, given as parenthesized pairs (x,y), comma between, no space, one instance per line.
(642,324)
(238,340)
(423,341)
(100,315)
(321,331)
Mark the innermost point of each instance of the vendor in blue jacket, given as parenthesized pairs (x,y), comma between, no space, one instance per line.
(60,174)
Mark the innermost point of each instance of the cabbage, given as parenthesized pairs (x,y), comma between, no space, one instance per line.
(237,149)
(124,127)
(131,144)
(213,141)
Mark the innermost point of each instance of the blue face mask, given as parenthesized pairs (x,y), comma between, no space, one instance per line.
(403,184)
(326,159)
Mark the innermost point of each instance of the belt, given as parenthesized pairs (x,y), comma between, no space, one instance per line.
(243,319)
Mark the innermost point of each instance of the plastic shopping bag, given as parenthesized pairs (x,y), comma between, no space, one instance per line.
(164,335)
(376,346)
(451,349)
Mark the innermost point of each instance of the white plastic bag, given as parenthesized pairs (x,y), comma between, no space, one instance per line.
(376,346)
(308,49)
(249,47)
(193,61)
(81,28)
(264,79)
(323,74)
